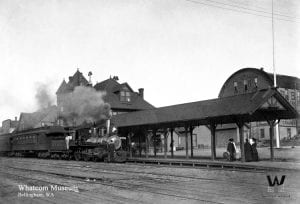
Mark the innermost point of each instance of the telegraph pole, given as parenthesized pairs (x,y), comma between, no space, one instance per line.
(274,73)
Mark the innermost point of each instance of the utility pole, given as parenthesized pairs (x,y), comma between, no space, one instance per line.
(274,73)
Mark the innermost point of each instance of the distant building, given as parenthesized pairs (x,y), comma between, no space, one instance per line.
(41,118)
(250,80)
(121,97)
(67,88)
(9,125)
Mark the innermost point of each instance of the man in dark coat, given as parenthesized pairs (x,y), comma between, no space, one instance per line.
(231,149)
(254,150)
(248,151)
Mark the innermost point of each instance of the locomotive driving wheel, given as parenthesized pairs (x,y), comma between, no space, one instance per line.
(86,157)
(77,156)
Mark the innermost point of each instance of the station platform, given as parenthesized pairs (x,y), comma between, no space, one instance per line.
(219,164)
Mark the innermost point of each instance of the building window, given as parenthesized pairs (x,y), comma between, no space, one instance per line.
(125,96)
(287,95)
(289,133)
(262,133)
(293,96)
(255,82)
(298,96)
(245,85)
(235,87)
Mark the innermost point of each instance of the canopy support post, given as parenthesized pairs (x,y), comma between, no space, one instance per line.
(146,143)
(241,136)
(172,143)
(191,134)
(154,141)
(165,144)
(186,142)
(212,128)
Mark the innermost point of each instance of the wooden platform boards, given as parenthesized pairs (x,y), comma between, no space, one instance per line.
(224,165)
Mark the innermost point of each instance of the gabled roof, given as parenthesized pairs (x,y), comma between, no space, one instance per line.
(225,110)
(107,85)
(121,87)
(33,120)
(76,80)
(111,87)
(62,88)
(136,103)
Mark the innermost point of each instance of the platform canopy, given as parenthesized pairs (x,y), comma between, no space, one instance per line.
(262,105)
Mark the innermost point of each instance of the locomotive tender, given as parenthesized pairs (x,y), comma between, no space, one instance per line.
(56,142)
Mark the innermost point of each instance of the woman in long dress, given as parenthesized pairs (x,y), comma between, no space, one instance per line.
(254,150)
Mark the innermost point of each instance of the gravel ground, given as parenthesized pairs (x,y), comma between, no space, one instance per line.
(89,182)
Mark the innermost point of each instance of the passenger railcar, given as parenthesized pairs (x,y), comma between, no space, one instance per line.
(5,146)
(35,142)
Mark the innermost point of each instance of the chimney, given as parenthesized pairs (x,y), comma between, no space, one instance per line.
(90,78)
(141,93)
(16,118)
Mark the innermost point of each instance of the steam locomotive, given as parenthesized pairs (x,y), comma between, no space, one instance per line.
(89,142)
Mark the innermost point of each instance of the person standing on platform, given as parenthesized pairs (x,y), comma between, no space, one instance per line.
(254,150)
(248,151)
(231,149)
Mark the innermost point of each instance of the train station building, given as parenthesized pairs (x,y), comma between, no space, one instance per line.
(195,132)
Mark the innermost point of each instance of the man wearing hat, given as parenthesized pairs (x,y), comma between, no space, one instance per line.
(231,149)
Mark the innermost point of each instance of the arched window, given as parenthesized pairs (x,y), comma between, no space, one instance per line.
(245,85)
(235,84)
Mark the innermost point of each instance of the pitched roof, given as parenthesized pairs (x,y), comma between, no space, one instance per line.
(110,86)
(62,88)
(106,85)
(220,110)
(33,120)
(285,81)
(76,80)
(121,86)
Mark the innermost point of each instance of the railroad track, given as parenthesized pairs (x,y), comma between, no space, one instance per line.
(107,182)
(140,180)
(91,167)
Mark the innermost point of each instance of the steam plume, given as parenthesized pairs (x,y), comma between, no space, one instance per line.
(43,96)
(84,104)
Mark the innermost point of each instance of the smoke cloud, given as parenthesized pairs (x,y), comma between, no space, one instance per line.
(43,96)
(84,104)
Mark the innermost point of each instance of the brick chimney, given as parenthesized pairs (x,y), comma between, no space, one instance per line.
(141,93)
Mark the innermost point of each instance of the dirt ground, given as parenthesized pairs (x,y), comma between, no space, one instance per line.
(29,180)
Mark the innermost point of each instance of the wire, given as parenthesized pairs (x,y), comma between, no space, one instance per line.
(259,7)
(240,11)
(246,8)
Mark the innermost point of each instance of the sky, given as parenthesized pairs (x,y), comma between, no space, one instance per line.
(179,51)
